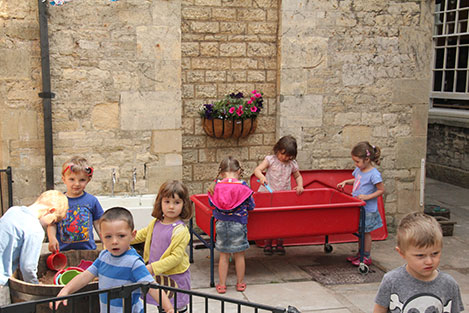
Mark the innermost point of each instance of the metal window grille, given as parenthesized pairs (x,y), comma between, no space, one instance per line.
(451,52)
(6,190)
(198,301)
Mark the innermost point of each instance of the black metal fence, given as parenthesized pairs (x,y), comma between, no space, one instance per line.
(208,303)
(6,190)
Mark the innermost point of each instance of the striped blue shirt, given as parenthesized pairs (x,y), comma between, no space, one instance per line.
(114,271)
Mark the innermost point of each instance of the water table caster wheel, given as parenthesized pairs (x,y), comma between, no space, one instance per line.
(328,248)
(363,268)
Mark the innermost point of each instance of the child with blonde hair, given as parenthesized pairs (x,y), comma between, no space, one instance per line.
(76,229)
(232,199)
(21,236)
(368,186)
(279,167)
(166,238)
(418,285)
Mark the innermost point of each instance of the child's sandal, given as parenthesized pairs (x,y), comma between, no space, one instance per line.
(268,250)
(280,250)
(241,286)
(221,289)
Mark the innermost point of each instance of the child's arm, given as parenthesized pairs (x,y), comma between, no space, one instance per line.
(299,182)
(179,242)
(75,284)
(96,226)
(167,306)
(259,170)
(379,309)
(341,185)
(51,235)
(377,193)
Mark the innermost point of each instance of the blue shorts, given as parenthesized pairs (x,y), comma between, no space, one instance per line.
(372,221)
(232,237)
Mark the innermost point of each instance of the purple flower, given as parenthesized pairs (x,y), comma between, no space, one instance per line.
(238,95)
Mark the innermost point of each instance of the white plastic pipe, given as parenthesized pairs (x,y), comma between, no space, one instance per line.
(422,181)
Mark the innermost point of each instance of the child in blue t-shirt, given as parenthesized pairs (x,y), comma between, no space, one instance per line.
(75,231)
(367,186)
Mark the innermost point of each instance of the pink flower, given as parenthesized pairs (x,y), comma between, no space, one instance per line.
(253,109)
(232,109)
(253,98)
(239,111)
(250,101)
(254,91)
(258,95)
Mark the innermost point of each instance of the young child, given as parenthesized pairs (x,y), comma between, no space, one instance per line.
(76,229)
(418,286)
(117,265)
(232,200)
(21,236)
(279,167)
(367,186)
(166,239)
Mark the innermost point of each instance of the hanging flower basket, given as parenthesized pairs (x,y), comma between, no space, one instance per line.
(233,116)
(221,128)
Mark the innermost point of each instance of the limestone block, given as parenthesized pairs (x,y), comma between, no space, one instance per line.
(223,14)
(256,76)
(206,91)
(190,156)
(167,13)
(166,141)
(244,64)
(195,76)
(173,159)
(236,76)
(351,135)
(210,63)
(349,118)
(215,76)
(262,49)
(158,42)
(209,49)
(294,81)
(208,155)
(157,175)
(410,151)
(308,52)
(419,120)
(262,28)
(167,75)
(233,49)
(150,110)
(194,141)
(233,28)
(105,116)
(407,201)
(204,27)
(15,64)
(356,74)
(410,91)
(252,14)
(207,3)
(190,49)
(304,111)
(205,171)
(239,153)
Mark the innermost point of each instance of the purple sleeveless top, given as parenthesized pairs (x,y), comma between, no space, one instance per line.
(160,241)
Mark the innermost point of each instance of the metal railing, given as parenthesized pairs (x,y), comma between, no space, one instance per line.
(210,303)
(6,190)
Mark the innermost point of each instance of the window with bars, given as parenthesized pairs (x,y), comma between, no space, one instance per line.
(451,52)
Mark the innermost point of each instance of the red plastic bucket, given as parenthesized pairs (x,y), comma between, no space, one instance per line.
(56,261)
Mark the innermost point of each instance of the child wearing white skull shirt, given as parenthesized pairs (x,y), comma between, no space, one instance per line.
(418,285)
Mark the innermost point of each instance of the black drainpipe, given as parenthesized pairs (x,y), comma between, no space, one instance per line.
(46,94)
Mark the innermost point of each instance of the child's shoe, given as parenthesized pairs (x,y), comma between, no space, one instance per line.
(366,260)
(268,249)
(280,250)
(353,258)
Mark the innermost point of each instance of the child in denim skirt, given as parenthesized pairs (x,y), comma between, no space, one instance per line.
(232,199)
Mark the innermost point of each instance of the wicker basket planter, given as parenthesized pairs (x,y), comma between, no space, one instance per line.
(229,128)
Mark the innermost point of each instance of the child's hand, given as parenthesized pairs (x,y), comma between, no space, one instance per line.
(53,245)
(299,190)
(57,303)
(341,185)
(263,181)
(363,197)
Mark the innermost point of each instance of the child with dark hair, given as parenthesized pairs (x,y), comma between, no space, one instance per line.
(278,169)
(367,186)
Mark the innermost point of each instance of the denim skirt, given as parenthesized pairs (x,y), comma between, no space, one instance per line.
(231,236)
(372,221)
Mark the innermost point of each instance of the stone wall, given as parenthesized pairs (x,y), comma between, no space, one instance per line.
(358,70)
(130,77)
(227,46)
(448,152)
(116,73)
